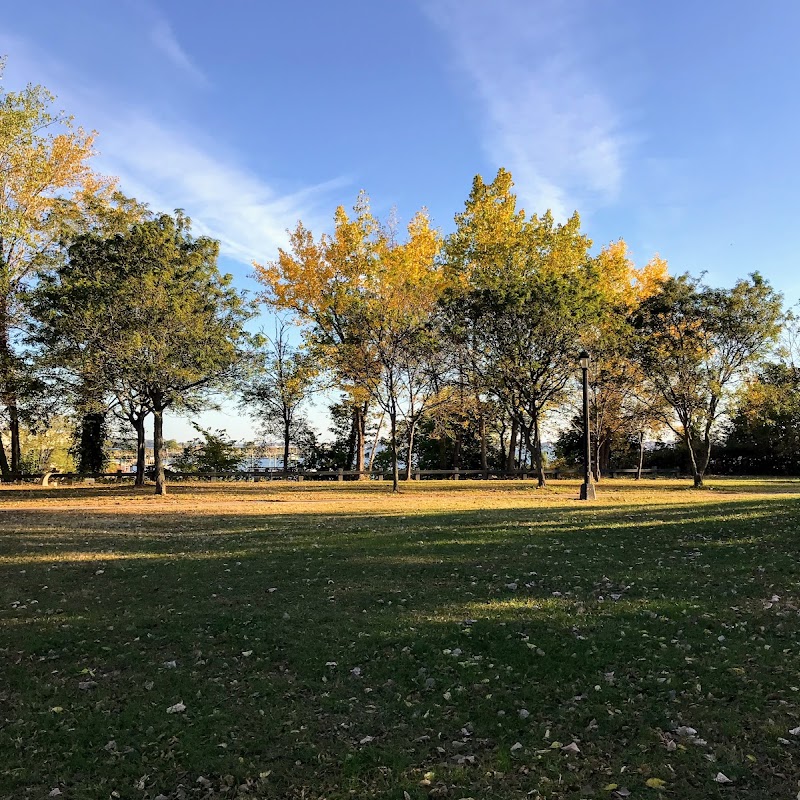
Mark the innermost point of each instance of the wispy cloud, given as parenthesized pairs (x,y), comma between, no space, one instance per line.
(167,169)
(171,166)
(163,37)
(546,117)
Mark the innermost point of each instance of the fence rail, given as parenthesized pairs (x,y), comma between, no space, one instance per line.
(338,475)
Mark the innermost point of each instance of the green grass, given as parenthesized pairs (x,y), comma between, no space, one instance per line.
(334,642)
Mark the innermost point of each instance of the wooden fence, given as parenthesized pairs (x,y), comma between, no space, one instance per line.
(338,475)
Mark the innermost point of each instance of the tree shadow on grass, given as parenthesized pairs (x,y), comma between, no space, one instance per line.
(356,643)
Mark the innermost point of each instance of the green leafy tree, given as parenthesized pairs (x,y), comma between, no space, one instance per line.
(763,436)
(525,293)
(212,451)
(90,449)
(152,318)
(695,343)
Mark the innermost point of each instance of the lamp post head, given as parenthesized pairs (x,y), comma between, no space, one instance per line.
(583,360)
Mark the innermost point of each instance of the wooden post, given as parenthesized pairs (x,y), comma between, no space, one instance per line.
(416,475)
(455,474)
(340,475)
(119,476)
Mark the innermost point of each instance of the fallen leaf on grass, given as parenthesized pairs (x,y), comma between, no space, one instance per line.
(720,778)
(178,708)
(655,783)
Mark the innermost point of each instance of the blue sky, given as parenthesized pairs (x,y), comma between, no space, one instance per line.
(671,125)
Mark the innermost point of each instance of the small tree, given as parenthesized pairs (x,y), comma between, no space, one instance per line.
(213,451)
(281,386)
(90,447)
(695,343)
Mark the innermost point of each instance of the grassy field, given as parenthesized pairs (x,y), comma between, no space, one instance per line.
(461,640)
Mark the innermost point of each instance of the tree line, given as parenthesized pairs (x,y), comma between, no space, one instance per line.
(441,348)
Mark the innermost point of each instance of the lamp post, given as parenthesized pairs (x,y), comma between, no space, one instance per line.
(587,487)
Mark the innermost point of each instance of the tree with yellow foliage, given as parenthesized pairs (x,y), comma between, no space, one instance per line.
(324,283)
(617,405)
(47,188)
(400,322)
(524,290)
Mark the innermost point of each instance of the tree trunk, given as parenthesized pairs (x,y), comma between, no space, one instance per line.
(541,481)
(512,445)
(5,472)
(286,441)
(352,439)
(375,442)
(457,450)
(7,382)
(484,448)
(410,450)
(361,439)
(602,459)
(705,461)
(698,476)
(395,467)
(598,447)
(141,453)
(16,450)
(641,456)
(503,451)
(443,451)
(158,450)
(605,457)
